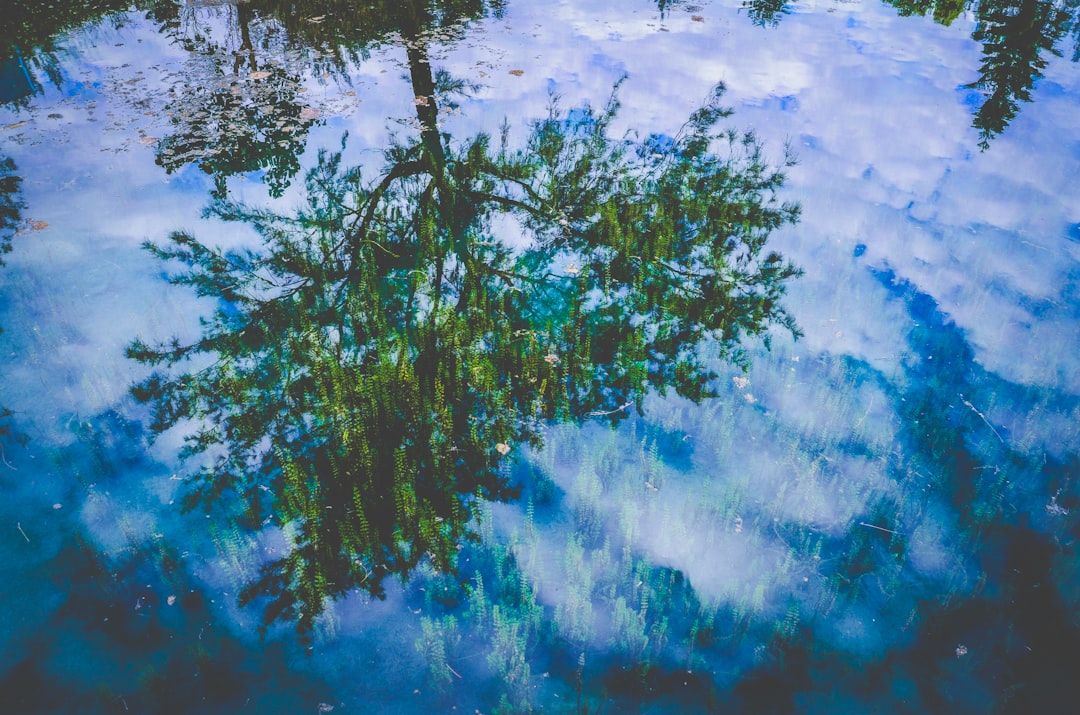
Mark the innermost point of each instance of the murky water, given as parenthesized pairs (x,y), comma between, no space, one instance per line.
(539,357)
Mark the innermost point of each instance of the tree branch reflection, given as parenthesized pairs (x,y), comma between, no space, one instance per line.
(371,369)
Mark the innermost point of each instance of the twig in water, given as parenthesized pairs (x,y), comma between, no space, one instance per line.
(3,456)
(19,525)
(453,671)
(620,408)
(983,417)
(879,528)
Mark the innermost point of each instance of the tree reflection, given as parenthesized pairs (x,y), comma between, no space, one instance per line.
(1017,36)
(943,11)
(233,113)
(766,12)
(372,366)
(240,108)
(27,37)
(11,206)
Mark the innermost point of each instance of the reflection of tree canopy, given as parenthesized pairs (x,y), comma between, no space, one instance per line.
(232,113)
(30,27)
(1017,36)
(766,12)
(943,11)
(240,107)
(343,31)
(373,364)
(11,206)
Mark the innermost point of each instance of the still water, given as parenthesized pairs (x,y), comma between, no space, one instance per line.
(562,357)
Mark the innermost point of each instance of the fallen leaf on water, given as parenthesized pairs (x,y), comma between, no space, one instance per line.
(259,75)
(147,141)
(38,225)
(502,448)
(517,73)
(698,18)
(317,20)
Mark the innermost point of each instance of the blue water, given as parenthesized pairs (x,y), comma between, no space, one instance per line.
(877,516)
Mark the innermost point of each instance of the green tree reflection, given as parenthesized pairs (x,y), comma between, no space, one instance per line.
(943,11)
(766,12)
(373,365)
(241,107)
(11,206)
(1017,37)
(27,36)
(232,112)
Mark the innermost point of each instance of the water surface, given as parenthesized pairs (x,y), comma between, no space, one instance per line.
(712,357)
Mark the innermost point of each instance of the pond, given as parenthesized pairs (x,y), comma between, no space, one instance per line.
(564,357)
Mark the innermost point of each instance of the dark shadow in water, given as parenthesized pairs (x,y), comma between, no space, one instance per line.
(377,361)
(127,629)
(1007,642)
(165,653)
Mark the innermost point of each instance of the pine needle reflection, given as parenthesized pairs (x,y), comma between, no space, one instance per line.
(378,361)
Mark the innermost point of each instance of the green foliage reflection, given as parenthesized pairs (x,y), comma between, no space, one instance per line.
(371,367)
(27,36)
(11,206)
(1017,37)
